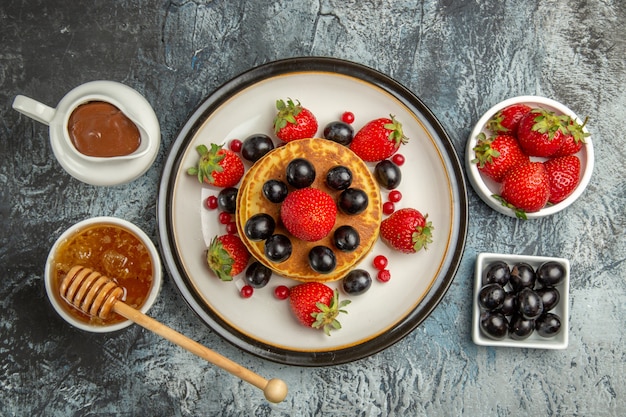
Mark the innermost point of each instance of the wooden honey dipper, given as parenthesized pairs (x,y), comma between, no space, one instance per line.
(97,295)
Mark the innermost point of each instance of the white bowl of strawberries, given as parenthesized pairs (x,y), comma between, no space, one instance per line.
(529,157)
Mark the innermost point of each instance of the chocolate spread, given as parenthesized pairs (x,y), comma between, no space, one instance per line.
(100,129)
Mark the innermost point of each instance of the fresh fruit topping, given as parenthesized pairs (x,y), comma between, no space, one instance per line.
(550,297)
(378,139)
(235,145)
(227,256)
(384,275)
(346,238)
(294,121)
(550,273)
(569,147)
(227,200)
(388,174)
(494,324)
(498,273)
(278,248)
(225,218)
(389,207)
(357,282)
(491,296)
(259,227)
(529,304)
(380,262)
(563,175)
(525,189)
(339,132)
(496,155)
(347,117)
(275,191)
(316,305)
(339,177)
(322,259)
(300,173)
(507,120)
(258,275)
(218,166)
(574,140)
(407,230)
(211,202)
(353,201)
(509,306)
(281,292)
(398,159)
(548,325)
(256,146)
(541,132)
(395,196)
(522,276)
(246,291)
(308,214)
(231,228)
(520,328)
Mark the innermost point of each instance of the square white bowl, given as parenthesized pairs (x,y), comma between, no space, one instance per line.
(534,341)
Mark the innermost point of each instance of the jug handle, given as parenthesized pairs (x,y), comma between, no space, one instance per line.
(34,109)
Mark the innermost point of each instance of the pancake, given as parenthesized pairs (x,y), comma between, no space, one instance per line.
(324,155)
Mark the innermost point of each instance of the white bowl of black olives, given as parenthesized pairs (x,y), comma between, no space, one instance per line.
(521,301)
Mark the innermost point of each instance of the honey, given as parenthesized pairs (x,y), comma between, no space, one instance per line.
(114,252)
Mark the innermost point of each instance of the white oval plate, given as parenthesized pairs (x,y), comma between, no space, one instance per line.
(432,182)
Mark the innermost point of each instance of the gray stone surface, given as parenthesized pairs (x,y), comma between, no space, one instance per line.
(459,57)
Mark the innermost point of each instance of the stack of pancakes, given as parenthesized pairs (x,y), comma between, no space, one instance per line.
(324,155)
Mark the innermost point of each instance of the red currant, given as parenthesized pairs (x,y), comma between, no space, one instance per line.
(384,275)
(211,202)
(231,228)
(389,207)
(398,159)
(395,196)
(347,117)
(380,262)
(247,291)
(281,292)
(235,145)
(224,218)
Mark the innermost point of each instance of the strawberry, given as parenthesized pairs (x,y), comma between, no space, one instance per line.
(293,121)
(564,176)
(507,120)
(378,139)
(574,140)
(227,256)
(525,189)
(308,213)
(498,154)
(316,305)
(218,166)
(541,132)
(406,230)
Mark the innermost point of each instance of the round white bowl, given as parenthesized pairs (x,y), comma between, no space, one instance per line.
(59,304)
(485,187)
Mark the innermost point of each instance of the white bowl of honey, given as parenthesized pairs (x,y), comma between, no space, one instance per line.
(114,247)
(101,132)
